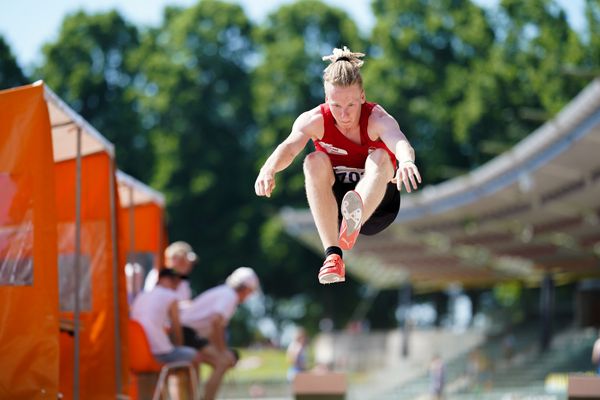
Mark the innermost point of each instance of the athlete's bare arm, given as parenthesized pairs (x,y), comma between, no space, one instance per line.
(308,125)
(383,126)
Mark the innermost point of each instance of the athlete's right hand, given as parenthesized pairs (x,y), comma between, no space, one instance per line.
(265,183)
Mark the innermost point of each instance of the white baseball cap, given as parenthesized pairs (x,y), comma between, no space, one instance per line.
(243,276)
(181,248)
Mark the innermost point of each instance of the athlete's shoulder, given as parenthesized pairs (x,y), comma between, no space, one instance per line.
(379,116)
(310,122)
(313,115)
(380,121)
(379,112)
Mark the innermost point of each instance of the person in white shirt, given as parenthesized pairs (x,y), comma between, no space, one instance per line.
(158,309)
(180,257)
(206,317)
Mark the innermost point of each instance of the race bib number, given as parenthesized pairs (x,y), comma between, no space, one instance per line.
(347,174)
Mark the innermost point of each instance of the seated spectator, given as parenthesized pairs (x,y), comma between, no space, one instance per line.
(180,257)
(157,310)
(205,320)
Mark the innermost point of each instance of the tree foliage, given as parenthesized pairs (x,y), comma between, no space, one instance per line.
(10,73)
(466,85)
(89,66)
(194,89)
(425,73)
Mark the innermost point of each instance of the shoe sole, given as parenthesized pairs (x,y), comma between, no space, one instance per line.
(326,279)
(352,211)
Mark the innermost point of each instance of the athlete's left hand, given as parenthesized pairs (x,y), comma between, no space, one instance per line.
(407,174)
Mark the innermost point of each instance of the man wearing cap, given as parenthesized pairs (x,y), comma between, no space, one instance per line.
(180,257)
(208,315)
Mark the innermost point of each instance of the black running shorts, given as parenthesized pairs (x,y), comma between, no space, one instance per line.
(384,214)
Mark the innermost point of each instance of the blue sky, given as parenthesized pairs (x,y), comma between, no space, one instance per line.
(27,24)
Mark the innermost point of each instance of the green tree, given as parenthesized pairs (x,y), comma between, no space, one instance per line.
(592,13)
(466,86)
(194,88)
(541,48)
(89,67)
(426,69)
(10,73)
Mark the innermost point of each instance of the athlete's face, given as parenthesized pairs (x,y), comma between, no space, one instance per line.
(345,104)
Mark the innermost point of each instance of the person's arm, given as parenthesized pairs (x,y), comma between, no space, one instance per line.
(305,128)
(176,332)
(382,125)
(217,338)
(217,332)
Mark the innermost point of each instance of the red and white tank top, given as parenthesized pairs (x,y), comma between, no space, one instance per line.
(348,158)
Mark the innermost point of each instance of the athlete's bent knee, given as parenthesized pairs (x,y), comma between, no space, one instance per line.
(379,157)
(380,160)
(317,165)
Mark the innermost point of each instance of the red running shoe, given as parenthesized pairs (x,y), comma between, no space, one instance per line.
(333,270)
(352,208)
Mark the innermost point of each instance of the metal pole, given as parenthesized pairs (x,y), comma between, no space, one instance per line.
(130,257)
(161,241)
(131,260)
(546,311)
(405,301)
(77,272)
(115,262)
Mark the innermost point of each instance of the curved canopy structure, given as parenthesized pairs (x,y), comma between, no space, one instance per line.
(533,210)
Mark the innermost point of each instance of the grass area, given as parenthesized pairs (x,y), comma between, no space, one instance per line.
(257,365)
(267,365)
(262,373)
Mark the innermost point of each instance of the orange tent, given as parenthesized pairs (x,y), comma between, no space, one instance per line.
(141,228)
(28,275)
(58,208)
(52,250)
(93,362)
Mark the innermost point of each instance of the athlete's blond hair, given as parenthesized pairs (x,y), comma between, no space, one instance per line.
(344,69)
